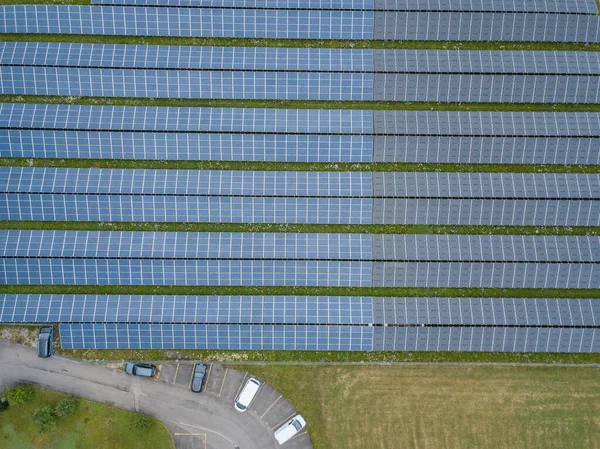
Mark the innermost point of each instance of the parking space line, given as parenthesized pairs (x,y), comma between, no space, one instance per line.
(270,407)
(192,377)
(223,383)
(159,371)
(285,420)
(208,374)
(193,435)
(240,387)
(297,435)
(176,371)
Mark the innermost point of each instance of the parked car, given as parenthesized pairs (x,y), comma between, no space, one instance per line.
(289,429)
(140,369)
(46,342)
(246,396)
(199,377)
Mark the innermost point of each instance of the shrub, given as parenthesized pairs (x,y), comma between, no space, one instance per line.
(44,417)
(20,395)
(65,407)
(140,421)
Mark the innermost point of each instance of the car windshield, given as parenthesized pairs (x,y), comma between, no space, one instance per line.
(296,424)
(241,406)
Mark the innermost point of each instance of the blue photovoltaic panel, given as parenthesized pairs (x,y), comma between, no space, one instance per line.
(186,146)
(185,84)
(202,336)
(184,245)
(191,22)
(312,273)
(474,311)
(65,54)
(133,118)
(165,208)
(186,182)
(489,339)
(186,309)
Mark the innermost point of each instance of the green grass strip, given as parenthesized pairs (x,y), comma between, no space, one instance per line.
(301,104)
(296,166)
(300,291)
(289,43)
(308,228)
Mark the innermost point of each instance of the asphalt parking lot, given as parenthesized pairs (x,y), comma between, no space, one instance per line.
(270,407)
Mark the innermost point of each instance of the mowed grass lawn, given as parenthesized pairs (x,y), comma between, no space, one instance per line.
(436,407)
(92,426)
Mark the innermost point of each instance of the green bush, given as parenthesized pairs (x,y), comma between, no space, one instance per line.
(44,417)
(65,407)
(139,421)
(20,395)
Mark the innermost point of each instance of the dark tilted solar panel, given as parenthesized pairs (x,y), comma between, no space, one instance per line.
(169,208)
(572,6)
(463,26)
(488,339)
(186,309)
(203,336)
(485,248)
(185,182)
(220,120)
(184,245)
(185,84)
(485,185)
(185,146)
(186,22)
(467,88)
(485,311)
(485,150)
(312,273)
(486,275)
(498,212)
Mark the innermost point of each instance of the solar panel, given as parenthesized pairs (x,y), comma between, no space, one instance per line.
(17,80)
(485,275)
(485,88)
(576,6)
(490,339)
(185,146)
(497,212)
(462,26)
(170,119)
(486,150)
(187,309)
(169,208)
(202,336)
(184,245)
(187,182)
(186,22)
(311,273)
(478,311)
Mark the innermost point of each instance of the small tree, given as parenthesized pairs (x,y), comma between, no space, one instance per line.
(65,407)
(20,395)
(140,421)
(44,417)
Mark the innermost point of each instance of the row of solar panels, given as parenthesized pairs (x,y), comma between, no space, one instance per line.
(60,54)
(215,209)
(289,246)
(299,184)
(298,85)
(298,24)
(320,310)
(328,338)
(571,6)
(299,121)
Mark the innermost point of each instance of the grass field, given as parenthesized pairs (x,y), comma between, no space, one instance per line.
(440,407)
(92,426)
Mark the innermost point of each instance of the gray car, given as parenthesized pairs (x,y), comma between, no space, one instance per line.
(140,369)
(198,378)
(46,342)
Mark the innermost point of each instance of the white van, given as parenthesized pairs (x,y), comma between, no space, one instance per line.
(289,429)
(246,396)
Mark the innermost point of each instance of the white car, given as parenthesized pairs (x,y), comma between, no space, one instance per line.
(289,429)
(246,396)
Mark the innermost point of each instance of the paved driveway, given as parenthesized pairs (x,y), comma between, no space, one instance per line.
(197,421)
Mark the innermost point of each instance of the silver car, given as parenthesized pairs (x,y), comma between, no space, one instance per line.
(198,378)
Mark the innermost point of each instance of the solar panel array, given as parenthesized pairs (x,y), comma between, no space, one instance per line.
(63,131)
(295,74)
(317,323)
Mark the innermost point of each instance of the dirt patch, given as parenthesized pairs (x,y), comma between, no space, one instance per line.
(22,335)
